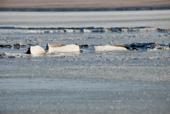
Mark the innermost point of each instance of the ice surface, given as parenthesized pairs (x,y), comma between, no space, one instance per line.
(131,82)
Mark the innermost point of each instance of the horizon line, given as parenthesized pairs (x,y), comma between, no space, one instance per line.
(86,9)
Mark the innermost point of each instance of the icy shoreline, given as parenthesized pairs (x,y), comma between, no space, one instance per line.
(53,30)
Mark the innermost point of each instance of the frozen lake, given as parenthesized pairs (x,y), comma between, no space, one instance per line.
(128,82)
(156,18)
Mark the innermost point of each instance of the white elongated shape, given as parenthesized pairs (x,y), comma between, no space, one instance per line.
(109,48)
(37,51)
(87,31)
(63,48)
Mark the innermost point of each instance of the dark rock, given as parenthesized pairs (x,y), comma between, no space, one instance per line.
(140,46)
(5,46)
(116,29)
(98,30)
(84,46)
(17,46)
(162,30)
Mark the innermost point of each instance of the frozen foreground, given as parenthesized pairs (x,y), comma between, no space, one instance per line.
(119,82)
(88,83)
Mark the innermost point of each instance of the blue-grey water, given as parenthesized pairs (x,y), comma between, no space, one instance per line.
(130,82)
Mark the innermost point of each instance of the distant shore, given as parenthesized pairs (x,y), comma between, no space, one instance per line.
(86,9)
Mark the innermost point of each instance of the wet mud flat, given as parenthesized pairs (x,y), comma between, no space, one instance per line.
(135,81)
